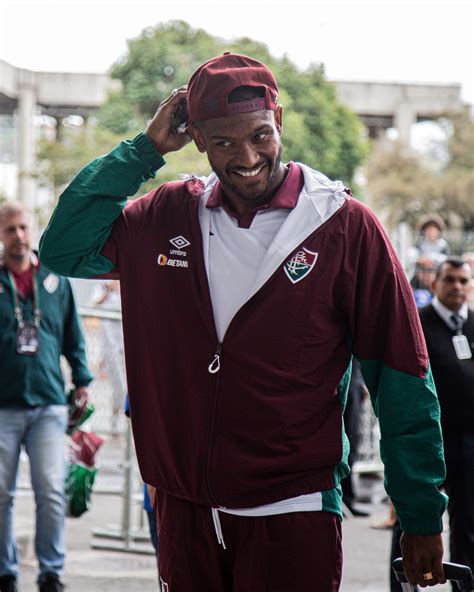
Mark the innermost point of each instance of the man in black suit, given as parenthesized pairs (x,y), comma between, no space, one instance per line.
(448,325)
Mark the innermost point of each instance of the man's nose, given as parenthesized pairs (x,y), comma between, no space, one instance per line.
(248,155)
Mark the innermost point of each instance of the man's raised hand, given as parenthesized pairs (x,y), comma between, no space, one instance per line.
(158,130)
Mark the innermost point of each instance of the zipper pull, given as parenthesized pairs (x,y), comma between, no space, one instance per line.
(215,365)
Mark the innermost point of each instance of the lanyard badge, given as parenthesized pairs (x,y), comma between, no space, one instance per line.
(461,347)
(27,331)
(27,338)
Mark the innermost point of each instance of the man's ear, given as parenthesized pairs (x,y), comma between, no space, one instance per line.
(278,114)
(196,134)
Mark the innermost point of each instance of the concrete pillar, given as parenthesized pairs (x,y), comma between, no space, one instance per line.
(26,145)
(405,117)
(402,243)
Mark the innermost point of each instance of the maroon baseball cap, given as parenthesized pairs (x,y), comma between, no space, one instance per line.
(210,85)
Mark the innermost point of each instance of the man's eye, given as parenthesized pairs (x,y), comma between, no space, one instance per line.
(224,144)
(259,137)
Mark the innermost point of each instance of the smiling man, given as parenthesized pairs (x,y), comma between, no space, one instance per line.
(245,150)
(245,296)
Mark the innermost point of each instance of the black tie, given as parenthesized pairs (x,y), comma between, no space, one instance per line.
(457,321)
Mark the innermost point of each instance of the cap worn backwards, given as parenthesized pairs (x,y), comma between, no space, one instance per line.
(210,85)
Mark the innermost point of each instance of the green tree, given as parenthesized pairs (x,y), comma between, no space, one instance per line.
(405,185)
(59,161)
(318,130)
(158,60)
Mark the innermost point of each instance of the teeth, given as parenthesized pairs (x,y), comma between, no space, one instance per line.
(249,173)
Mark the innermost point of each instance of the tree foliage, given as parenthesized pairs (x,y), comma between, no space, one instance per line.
(318,130)
(405,186)
(160,59)
(59,161)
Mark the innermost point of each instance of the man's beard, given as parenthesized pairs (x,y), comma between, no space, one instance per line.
(16,255)
(257,198)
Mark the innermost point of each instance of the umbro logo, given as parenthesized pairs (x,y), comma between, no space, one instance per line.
(179,242)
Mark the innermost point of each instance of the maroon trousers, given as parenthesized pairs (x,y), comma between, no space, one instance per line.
(296,552)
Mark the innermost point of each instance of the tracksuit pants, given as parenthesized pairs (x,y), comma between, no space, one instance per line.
(299,551)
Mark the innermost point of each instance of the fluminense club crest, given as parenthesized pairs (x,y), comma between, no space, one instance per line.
(300,265)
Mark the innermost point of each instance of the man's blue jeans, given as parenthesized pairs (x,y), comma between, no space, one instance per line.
(41,432)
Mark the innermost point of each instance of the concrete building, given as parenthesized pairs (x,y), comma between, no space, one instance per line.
(25,94)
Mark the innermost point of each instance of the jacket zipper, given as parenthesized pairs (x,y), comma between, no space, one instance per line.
(215,364)
(213,368)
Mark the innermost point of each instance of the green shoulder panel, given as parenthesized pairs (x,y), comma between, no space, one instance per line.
(83,219)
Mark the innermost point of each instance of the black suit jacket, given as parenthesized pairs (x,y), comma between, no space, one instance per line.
(454,378)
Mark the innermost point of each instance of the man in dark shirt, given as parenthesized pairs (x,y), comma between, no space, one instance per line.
(39,322)
(448,325)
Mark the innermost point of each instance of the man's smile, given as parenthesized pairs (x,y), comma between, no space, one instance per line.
(249,172)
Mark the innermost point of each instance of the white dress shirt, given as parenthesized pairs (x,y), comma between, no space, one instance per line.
(446,313)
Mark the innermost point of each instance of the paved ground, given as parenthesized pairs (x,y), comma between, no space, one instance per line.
(366,550)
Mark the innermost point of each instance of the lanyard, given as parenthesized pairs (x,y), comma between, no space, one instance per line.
(16,302)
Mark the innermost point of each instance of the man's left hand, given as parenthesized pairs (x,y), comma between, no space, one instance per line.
(81,396)
(422,559)
(77,404)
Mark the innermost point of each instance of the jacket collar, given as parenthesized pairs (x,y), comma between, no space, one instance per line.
(445,313)
(285,197)
(319,200)
(326,195)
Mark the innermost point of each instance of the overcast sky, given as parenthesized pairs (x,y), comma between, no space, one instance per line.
(407,40)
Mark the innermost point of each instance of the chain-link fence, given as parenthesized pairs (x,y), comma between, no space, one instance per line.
(118,472)
(368,454)
(104,346)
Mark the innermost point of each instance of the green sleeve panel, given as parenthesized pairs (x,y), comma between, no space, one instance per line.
(342,470)
(332,501)
(87,209)
(411,445)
